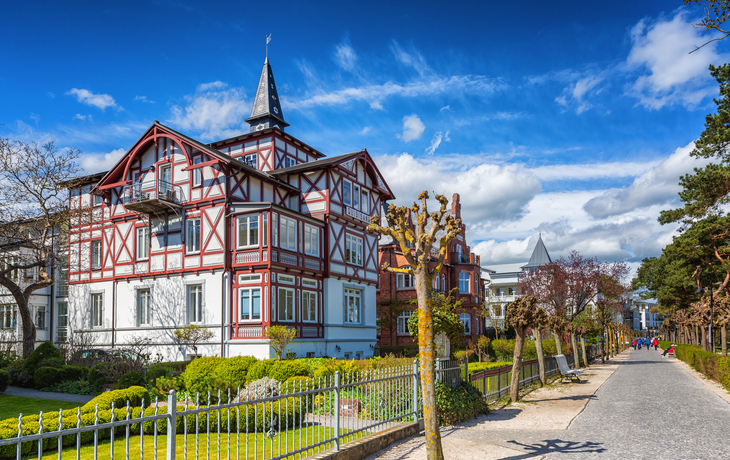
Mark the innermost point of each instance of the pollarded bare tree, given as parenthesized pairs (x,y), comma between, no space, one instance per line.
(417,243)
(522,314)
(33,215)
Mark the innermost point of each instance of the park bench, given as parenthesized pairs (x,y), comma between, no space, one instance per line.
(565,370)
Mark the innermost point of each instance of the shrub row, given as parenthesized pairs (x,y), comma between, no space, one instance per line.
(46,377)
(134,395)
(455,405)
(247,417)
(711,365)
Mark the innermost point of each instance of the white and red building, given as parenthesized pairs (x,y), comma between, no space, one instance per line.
(234,236)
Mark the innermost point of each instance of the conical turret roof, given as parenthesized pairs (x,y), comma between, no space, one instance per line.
(540,255)
(266,111)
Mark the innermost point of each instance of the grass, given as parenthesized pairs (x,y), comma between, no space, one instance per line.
(11,406)
(259,446)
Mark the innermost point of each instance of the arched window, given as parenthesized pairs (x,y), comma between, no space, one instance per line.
(464,283)
(458,252)
(466,321)
(436,283)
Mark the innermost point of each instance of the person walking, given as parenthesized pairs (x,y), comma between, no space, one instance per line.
(638,342)
(634,344)
(647,342)
(655,342)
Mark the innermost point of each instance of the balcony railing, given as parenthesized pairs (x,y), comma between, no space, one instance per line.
(150,196)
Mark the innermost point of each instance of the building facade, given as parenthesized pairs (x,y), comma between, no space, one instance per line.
(460,271)
(234,236)
(502,285)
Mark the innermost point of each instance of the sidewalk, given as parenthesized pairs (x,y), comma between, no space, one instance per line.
(30,393)
(543,413)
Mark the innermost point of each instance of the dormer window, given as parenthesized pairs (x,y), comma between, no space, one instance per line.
(289,162)
(250,159)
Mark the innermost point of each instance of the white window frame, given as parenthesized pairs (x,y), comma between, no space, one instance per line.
(404,281)
(284,312)
(288,233)
(249,293)
(309,283)
(311,240)
(40,317)
(8,316)
(97,309)
(365,201)
(192,238)
(144,307)
(246,279)
(251,159)
(274,230)
(353,315)
(264,229)
(353,249)
(309,306)
(465,319)
(96,254)
(61,322)
(402,322)
(143,243)
(466,281)
(194,303)
(356,197)
(197,173)
(96,201)
(289,162)
(245,224)
(286,279)
(347,186)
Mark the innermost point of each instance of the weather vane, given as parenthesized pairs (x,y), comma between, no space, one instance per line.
(268,39)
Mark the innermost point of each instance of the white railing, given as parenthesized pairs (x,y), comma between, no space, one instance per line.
(258,422)
(247,257)
(312,264)
(289,259)
(503,298)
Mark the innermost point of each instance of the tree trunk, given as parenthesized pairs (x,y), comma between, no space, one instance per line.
(29,333)
(704,339)
(540,357)
(514,389)
(426,355)
(583,347)
(574,345)
(603,346)
(558,345)
(723,338)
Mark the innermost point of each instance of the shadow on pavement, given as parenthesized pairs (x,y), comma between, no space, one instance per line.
(556,445)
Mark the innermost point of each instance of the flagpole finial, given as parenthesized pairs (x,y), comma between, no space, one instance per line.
(268,39)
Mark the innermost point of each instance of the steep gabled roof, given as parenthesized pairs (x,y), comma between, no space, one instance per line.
(120,166)
(540,255)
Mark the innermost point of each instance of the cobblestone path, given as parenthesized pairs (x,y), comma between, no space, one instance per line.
(648,409)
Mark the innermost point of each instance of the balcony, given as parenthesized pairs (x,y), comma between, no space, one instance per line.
(503,298)
(152,197)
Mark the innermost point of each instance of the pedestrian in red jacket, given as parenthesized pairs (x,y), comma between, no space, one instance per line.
(655,342)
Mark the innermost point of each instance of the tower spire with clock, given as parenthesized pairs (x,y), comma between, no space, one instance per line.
(266,111)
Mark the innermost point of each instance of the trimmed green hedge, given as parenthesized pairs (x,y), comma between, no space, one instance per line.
(711,365)
(119,398)
(46,377)
(256,415)
(284,370)
(4,380)
(455,405)
(44,351)
(478,367)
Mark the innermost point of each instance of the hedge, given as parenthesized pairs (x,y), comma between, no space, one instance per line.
(250,417)
(197,375)
(119,398)
(455,405)
(4,380)
(711,365)
(284,370)
(259,370)
(44,351)
(478,367)
(45,377)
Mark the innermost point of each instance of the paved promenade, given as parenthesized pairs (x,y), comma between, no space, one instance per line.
(639,406)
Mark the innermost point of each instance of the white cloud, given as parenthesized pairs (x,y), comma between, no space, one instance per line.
(413,127)
(592,171)
(78,116)
(446,107)
(412,59)
(366,130)
(436,141)
(669,74)
(574,95)
(657,186)
(489,193)
(94,163)
(143,99)
(345,56)
(101,101)
(215,111)
(376,105)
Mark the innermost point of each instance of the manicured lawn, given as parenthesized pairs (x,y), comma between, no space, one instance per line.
(259,446)
(11,406)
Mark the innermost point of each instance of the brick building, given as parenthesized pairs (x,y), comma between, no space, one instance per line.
(461,271)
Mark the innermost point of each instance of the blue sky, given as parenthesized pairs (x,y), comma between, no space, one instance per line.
(573,119)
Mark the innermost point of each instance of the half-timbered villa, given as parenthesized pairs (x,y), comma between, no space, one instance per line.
(234,236)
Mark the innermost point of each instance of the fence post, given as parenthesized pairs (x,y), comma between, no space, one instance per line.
(415,390)
(466,372)
(337,411)
(171,424)
(436,367)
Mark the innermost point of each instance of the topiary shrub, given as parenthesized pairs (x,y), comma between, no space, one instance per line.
(134,395)
(4,380)
(199,376)
(51,362)
(234,371)
(259,370)
(130,379)
(455,405)
(283,370)
(44,351)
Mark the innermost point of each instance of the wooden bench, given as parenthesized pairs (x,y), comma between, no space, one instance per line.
(565,370)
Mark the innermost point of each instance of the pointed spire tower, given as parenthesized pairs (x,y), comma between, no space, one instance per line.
(266,111)
(540,255)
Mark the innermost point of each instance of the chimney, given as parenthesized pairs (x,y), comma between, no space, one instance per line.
(455,207)
(472,258)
